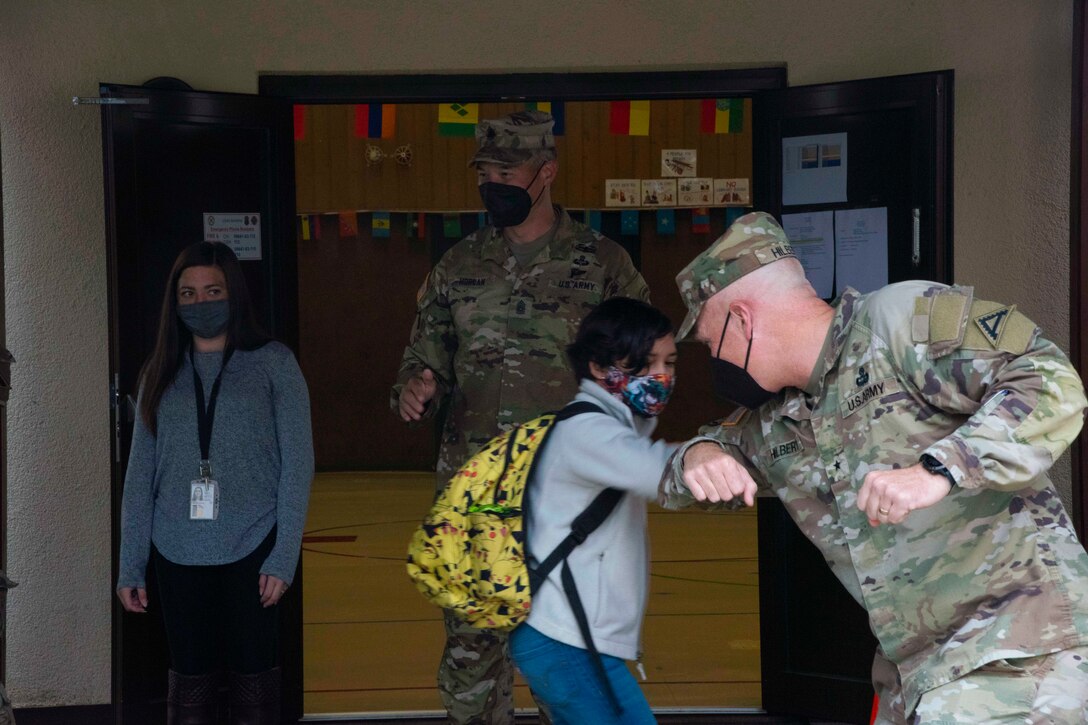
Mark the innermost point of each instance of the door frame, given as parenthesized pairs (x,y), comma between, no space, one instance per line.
(344,89)
(1078,249)
(306,89)
(281,255)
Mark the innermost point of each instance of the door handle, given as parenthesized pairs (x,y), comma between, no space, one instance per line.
(916,236)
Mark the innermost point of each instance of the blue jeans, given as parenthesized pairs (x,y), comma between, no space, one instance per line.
(565,680)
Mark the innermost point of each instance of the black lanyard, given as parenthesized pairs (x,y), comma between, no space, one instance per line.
(205,416)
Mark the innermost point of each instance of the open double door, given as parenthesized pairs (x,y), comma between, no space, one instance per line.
(172,157)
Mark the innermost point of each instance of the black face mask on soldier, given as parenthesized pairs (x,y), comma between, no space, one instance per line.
(508,204)
(733,384)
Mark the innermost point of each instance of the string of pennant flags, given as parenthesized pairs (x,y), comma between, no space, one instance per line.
(346,224)
(626,118)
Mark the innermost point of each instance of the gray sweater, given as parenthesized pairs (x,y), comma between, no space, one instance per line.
(585,455)
(261,454)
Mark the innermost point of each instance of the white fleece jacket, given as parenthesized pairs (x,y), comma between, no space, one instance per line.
(584,455)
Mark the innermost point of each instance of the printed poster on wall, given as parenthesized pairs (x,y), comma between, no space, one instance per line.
(814,169)
(732,192)
(678,162)
(812,237)
(695,192)
(240,232)
(659,192)
(621,192)
(861,249)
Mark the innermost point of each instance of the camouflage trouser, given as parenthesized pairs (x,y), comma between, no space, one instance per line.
(1051,689)
(476,676)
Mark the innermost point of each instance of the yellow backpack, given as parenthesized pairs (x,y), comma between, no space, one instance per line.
(469,554)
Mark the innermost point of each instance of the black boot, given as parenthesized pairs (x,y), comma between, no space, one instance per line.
(191,699)
(255,699)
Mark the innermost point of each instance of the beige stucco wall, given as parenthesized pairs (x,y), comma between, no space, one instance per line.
(1012,63)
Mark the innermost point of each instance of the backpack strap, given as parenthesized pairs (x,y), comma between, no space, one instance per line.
(572,409)
(577,408)
(583,627)
(583,525)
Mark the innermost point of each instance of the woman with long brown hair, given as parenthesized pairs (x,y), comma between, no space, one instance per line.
(217,488)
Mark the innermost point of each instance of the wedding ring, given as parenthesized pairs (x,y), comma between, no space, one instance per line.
(883,511)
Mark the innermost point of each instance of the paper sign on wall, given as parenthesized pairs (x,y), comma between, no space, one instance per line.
(695,192)
(659,192)
(678,162)
(240,232)
(731,191)
(814,169)
(861,249)
(621,192)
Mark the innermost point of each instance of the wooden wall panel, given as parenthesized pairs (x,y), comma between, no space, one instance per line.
(357,302)
(333,174)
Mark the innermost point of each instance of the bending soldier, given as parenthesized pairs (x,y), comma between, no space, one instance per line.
(908,432)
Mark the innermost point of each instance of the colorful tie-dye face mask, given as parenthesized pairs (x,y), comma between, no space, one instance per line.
(646,395)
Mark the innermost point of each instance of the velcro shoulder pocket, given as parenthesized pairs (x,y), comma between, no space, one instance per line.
(941,320)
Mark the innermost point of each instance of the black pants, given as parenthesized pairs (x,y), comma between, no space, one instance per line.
(214,617)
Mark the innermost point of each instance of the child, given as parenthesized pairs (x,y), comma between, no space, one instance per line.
(624,356)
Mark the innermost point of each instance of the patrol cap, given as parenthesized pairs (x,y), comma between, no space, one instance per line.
(749,243)
(513,138)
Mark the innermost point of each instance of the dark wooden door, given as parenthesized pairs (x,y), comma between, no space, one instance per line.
(171,158)
(816,644)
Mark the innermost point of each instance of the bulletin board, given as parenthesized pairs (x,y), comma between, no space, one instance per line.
(405,158)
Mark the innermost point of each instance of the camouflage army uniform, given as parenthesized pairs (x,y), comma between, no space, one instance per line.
(495,335)
(991,573)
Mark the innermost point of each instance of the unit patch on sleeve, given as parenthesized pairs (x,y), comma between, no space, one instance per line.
(993,324)
(998,327)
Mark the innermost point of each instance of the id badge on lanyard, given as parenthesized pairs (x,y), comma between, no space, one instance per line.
(204,499)
(204,491)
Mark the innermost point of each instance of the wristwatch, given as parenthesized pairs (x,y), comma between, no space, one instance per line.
(932,465)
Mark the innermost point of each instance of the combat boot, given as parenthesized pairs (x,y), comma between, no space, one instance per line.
(190,699)
(255,699)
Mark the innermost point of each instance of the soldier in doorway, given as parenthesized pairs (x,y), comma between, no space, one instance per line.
(494,318)
(908,432)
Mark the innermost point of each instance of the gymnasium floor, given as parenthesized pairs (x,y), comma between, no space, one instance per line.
(372,643)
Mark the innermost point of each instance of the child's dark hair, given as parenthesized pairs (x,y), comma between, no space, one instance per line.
(619,330)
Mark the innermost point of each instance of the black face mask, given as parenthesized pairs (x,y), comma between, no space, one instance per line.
(507,204)
(733,384)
